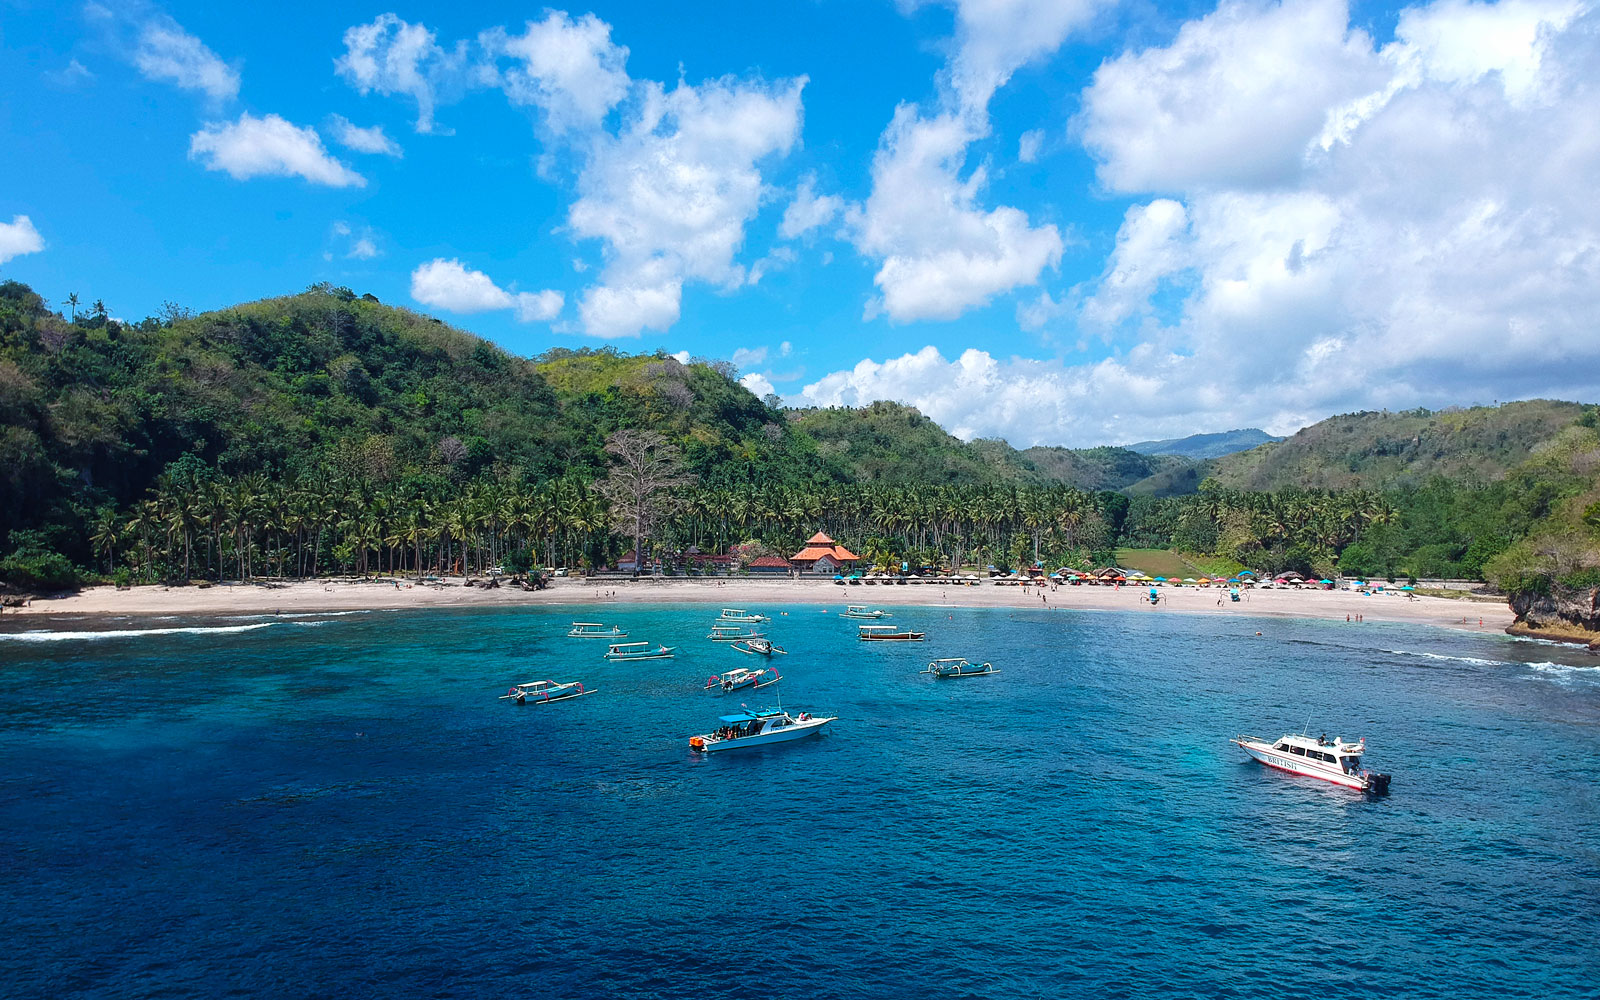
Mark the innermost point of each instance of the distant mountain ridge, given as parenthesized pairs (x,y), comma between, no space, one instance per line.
(1202,446)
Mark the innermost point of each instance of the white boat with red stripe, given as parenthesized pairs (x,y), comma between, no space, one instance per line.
(1317,757)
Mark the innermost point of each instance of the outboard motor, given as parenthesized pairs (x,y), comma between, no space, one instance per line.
(1377,784)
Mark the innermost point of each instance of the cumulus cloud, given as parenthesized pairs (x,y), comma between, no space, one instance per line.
(808,210)
(758,384)
(1029,145)
(166,53)
(568,68)
(269,147)
(18,237)
(667,179)
(940,252)
(452,286)
(362,140)
(393,56)
(669,195)
(1402,250)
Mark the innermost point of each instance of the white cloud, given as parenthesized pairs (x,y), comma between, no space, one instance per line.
(448,284)
(808,210)
(1037,313)
(1029,145)
(70,75)
(1235,99)
(744,357)
(784,349)
(363,249)
(1400,248)
(167,53)
(451,285)
(393,56)
(18,237)
(272,147)
(682,357)
(570,69)
(539,307)
(757,384)
(940,252)
(669,196)
(362,140)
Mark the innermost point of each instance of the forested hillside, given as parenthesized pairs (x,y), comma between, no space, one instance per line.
(1203,446)
(1397,450)
(327,432)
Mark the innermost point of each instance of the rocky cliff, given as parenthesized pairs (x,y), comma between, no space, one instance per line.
(1565,614)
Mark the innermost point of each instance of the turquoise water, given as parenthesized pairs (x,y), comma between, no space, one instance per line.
(336,805)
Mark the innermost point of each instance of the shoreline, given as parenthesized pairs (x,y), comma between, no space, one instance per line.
(343,595)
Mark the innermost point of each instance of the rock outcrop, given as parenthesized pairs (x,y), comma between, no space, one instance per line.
(1565,614)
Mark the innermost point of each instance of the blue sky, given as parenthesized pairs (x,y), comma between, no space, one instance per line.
(1056,221)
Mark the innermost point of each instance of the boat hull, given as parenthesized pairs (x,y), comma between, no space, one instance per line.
(1277,760)
(798,731)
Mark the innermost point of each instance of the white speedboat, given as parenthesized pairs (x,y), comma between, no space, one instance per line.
(596,630)
(1317,757)
(889,633)
(638,651)
(539,692)
(758,728)
(958,667)
(759,646)
(741,615)
(739,677)
(866,614)
(732,633)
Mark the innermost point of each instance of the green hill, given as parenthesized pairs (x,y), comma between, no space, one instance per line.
(892,442)
(1391,450)
(1201,446)
(1103,468)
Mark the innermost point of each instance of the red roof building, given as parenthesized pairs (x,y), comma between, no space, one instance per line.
(822,555)
(769,564)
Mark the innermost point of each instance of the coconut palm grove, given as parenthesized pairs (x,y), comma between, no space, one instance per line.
(328,433)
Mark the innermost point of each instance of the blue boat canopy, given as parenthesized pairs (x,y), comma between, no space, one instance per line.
(748,716)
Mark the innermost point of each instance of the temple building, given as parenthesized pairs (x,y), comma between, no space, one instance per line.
(823,555)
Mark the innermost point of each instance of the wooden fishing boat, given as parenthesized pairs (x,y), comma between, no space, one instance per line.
(863,613)
(955,666)
(742,616)
(759,646)
(540,692)
(596,630)
(889,633)
(638,651)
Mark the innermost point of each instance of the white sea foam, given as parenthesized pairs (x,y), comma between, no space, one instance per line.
(1475,661)
(134,633)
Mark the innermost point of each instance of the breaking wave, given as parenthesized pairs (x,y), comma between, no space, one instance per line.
(133,633)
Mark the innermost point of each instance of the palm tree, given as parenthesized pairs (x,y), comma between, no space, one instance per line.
(72,303)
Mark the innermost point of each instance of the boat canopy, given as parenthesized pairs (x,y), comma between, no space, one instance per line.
(588,624)
(765,713)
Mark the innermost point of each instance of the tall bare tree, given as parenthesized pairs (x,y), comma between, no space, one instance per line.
(640,484)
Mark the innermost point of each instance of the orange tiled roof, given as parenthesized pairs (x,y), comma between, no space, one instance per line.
(819,539)
(838,553)
(770,561)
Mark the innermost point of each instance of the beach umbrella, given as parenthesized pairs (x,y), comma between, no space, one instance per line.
(1408,587)
(1245,572)
(1324,581)
(1161,579)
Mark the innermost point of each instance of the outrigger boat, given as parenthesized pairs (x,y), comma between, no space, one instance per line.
(956,666)
(596,630)
(731,633)
(759,646)
(857,611)
(539,692)
(890,633)
(741,615)
(638,651)
(1317,757)
(757,728)
(739,677)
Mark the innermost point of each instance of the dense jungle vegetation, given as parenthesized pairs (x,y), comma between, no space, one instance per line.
(328,433)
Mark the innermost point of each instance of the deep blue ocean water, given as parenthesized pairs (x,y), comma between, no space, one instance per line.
(336,805)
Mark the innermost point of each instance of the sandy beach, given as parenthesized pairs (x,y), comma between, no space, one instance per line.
(329,595)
